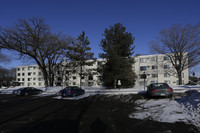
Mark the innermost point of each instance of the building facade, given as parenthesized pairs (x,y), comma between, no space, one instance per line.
(157,68)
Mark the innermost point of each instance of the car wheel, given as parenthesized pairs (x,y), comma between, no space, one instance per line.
(26,94)
(74,95)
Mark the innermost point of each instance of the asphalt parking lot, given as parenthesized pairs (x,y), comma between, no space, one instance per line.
(95,114)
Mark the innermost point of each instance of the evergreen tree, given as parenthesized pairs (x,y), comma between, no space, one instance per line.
(80,54)
(118,48)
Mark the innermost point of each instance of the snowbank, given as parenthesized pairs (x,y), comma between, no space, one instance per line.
(186,109)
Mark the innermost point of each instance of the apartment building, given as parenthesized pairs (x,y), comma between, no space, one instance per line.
(64,76)
(29,76)
(157,68)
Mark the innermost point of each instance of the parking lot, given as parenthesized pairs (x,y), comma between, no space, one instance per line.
(98,113)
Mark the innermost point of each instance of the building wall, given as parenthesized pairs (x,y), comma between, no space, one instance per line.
(29,76)
(156,67)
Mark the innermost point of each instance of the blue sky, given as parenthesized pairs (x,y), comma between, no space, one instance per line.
(143,18)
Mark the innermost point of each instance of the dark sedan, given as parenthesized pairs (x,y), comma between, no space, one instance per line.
(71,91)
(25,91)
(159,89)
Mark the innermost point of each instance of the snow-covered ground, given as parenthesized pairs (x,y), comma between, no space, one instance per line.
(183,109)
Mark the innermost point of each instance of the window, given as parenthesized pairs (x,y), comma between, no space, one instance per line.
(58,72)
(40,79)
(82,77)
(40,84)
(154,67)
(59,78)
(154,58)
(143,68)
(18,79)
(34,73)
(74,83)
(166,75)
(18,74)
(74,77)
(29,68)
(22,79)
(34,83)
(22,68)
(18,69)
(34,79)
(90,77)
(67,78)
(166,58)
(29,74)
(166,66)
(22,74)
(40,73)
(67,72)
(154,75)
(143,60)
(29,79)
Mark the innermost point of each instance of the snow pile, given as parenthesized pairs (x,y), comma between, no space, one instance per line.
(184,88)
(185,109)
(191,105)
(9,90)
(73,98)
(162,110)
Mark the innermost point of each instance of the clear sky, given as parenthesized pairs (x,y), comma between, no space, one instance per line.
(143,18)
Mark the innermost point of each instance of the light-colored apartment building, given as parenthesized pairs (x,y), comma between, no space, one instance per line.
(157,68)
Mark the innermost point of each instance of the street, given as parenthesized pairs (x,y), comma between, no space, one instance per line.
(95,114)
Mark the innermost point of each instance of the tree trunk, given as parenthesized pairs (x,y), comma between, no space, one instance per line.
(80,75)
(179,78)
(115,83)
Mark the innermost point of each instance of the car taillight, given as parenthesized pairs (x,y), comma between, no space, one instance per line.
(69,92)
(154,90)
(170,89)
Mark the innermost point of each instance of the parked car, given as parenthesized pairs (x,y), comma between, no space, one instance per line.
(25,91)
(159,89)
(71,91)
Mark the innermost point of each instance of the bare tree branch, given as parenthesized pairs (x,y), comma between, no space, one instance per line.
(181,44)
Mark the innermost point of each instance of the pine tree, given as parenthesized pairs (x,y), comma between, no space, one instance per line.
(118,49)
(80,53)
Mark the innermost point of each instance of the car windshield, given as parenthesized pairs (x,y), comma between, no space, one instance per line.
(21,89)
(67,88)
(160,85)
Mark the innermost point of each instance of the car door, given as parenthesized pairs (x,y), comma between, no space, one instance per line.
(29,90)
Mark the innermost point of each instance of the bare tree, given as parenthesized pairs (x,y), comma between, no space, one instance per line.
(182,46)
(33,39)
(4,58)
